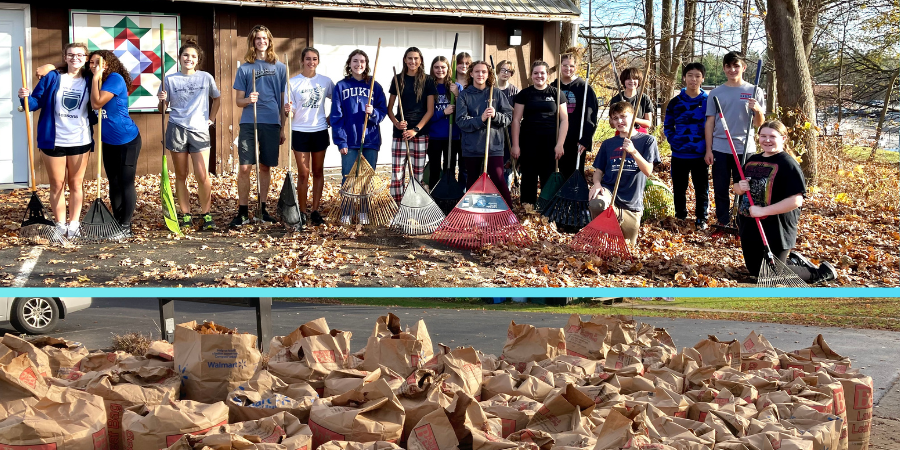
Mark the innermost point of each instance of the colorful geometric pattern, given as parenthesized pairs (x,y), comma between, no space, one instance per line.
(134,39)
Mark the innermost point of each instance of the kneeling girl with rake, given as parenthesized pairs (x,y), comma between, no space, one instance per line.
(775,182)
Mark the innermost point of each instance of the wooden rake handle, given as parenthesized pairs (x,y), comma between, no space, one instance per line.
(28,120)
(362,138)
(640,93)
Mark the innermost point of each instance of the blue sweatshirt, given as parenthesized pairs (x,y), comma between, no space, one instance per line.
(439,125)
(348,112)
(685,125)
(44,97)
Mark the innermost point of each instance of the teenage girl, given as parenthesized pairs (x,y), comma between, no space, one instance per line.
(439,126)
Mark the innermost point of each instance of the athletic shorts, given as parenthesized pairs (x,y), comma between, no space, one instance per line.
(310,141)
(269,140)
(59,152)
(181,140)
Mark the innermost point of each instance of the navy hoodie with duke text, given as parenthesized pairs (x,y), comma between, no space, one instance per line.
(348,112)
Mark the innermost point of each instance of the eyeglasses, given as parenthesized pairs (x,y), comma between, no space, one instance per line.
(506,71)
(75,55)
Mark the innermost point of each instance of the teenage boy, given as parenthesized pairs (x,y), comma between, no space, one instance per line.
(738,103)
(271,77)
(684,128)
(631,79)
(640,154)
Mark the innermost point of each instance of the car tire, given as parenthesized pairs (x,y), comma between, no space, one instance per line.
(34,315)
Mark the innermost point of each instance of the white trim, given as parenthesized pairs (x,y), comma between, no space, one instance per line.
(410,12)
(26,9)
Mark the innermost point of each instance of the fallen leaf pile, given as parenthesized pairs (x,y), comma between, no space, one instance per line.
(849,219)
(213,328)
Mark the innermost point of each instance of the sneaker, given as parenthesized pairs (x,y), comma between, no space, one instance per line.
(266,217)
(73,230)
(316,218)
(239,221)
(208,224)
(796,259)
(825,272)
(126,231)
(61,228)
(363,218)
(701,225)
(186,221)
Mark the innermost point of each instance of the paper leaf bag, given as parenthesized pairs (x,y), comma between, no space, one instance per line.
(401,351)
(370,413)
(161,426)
(65,419)
(526,343)
(212,365)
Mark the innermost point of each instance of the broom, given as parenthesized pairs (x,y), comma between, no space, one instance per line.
(772,272)
(363,192)
(732,228)
(448,190)
(555,181)
(603,236)
(569,207)
(35,226)
(418,213)
(99,225)
(165,188)
(482,217)
(288,206)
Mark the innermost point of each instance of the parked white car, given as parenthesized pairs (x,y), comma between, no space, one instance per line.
(39,315)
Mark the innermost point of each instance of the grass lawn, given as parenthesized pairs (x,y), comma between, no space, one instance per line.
(868,313)
(859,153)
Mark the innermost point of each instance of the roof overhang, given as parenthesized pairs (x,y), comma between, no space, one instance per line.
(535,10)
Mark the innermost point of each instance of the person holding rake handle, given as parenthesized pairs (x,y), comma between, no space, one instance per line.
(775,181)
(121,137)
(65,133)
(187,136)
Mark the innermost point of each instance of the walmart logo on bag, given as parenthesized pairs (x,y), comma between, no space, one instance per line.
(240,364)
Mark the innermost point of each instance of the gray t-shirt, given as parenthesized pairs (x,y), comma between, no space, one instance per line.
(189,99)
(737,114)
(609,159)
(271,80)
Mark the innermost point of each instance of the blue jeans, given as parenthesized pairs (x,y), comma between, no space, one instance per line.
(347,161)
(724,175)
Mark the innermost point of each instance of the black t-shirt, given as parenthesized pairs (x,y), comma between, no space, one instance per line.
(645,107)
(413,110)
(541,109)
(573,96)
(773,179)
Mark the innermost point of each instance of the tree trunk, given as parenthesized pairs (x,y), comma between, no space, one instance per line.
(666,58)
(568,35)
(745,26)
(884,109)
(794,85)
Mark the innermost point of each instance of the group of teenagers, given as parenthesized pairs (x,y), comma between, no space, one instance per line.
(431,109)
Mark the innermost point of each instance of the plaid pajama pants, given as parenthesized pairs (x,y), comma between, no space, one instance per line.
(418,149)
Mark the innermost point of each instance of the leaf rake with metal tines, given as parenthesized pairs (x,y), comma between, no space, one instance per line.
(555,181)
(418,213)
(288,206)
(482,217)
(659,202)
(772,271)
(36,227)
(569,207)
(364,194)
(99,224)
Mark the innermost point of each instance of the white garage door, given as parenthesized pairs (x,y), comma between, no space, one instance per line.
(335,39)
(13,140)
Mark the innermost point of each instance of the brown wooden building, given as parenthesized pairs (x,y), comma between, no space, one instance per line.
(334,27)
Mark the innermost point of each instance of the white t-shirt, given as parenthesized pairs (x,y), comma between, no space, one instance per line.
(189,99)
(309,96)
(72,126)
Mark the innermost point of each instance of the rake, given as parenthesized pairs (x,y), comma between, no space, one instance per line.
(364,195)
(99,224)
(603,236)
(165,187)
(482,217)
(36,227)
(732,227)
(569,207)
(418,213)
(555,181)
(288,206)
(448,190)
(659,202)
(772,272)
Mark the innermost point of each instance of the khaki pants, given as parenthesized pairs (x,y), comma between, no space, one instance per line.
(630,221)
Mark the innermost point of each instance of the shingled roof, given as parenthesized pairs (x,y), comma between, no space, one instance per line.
(549,10)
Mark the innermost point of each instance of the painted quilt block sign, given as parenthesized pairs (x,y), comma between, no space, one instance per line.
(134,39)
